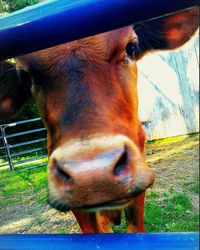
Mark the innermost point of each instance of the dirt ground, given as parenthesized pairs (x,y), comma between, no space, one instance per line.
(172,162)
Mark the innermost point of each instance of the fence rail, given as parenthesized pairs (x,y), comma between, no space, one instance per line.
(50,23)
(164,241)
(20,150)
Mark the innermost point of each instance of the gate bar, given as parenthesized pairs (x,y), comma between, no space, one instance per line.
(141,241)
(57,21)
(6,146)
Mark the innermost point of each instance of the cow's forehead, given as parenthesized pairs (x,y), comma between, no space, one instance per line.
(100,46)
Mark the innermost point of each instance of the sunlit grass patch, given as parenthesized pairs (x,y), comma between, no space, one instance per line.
(170,213)
(172,151)
(15,185)
(175,139)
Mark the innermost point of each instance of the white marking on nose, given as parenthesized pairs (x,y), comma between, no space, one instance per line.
(100,161)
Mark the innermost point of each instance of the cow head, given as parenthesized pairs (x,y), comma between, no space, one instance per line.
(86,93)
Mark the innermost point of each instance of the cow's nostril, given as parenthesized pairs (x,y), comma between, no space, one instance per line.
(65,177)
(121,164)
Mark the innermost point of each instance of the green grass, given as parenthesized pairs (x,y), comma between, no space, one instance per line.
(174,139)
(192,186)
(15,185)
(169,211)
(26,157)
(173,212)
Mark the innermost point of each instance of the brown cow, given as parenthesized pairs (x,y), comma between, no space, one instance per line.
(86,92)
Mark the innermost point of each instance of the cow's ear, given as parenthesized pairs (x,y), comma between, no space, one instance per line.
(168,32)
(14,89)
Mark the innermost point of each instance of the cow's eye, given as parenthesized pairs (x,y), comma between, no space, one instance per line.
(132,50)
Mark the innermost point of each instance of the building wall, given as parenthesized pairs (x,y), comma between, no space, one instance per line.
(169,91)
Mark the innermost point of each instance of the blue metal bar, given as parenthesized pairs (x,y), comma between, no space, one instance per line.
(27,143)
(153,241)
(26,152)
(29,168)
(58,21)
(21,122)
(30,160)
(26,132)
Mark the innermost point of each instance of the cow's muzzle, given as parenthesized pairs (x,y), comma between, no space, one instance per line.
(97,173)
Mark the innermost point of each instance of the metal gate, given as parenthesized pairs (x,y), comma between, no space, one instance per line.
(24,149)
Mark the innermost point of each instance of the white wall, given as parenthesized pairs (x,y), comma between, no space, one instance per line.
(169,91)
